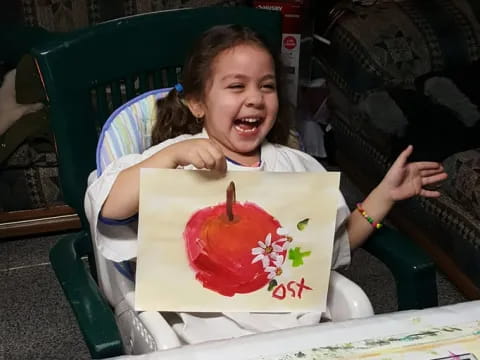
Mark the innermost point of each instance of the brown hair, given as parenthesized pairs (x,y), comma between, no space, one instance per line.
(173,116)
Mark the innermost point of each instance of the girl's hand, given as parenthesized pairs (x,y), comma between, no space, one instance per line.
(201,153)
(405,180)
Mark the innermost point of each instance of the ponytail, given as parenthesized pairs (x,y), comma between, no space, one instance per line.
(173,118)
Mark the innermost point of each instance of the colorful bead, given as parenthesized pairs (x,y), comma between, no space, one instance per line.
(375,224)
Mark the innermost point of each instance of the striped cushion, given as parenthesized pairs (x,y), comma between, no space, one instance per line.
(128,129)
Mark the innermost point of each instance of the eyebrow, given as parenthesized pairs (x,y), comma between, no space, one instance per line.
(240,76)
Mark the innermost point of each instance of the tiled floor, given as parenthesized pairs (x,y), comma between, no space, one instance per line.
(37,323)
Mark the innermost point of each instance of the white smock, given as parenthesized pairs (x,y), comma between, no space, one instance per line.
(119,242)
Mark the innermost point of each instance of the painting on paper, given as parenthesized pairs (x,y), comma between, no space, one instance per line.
(248,241)
(448,342)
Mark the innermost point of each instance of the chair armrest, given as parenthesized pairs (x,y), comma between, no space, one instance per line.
(95,317)
(346,300)
(412,268)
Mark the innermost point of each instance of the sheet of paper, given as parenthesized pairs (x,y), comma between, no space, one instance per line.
(265,246)
(455,342)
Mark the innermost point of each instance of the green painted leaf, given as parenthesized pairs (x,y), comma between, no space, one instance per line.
(303,224)
(272,284)
(296,255)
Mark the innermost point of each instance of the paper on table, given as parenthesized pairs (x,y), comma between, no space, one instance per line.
(451,342)
(274,256)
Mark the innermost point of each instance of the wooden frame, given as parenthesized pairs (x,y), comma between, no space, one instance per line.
(38,221)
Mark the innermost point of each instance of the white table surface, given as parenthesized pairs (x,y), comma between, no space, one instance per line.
(275,345)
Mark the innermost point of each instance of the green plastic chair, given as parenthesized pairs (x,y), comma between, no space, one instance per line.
(91,72)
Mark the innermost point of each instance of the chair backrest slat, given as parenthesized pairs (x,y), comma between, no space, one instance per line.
(171,77)
(116,94)
(143,83)
(157,79)
(92,71)
(130,87)
(101,102)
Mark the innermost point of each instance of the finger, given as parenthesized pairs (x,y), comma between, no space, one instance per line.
(429,193)
(403,157)
(426,165)
(434,179)
(197,161)
(207,158)
(220,160)
(425,173)
(221,165)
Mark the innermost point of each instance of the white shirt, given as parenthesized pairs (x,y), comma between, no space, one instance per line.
(119,242)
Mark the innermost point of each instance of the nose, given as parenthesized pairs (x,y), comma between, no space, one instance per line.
(254,98)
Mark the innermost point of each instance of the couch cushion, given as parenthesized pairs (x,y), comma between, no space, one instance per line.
(463,183)
(391,43)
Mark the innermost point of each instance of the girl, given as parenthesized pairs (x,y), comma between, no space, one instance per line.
(227,116)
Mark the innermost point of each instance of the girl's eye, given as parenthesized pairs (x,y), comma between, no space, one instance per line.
(269,86)
(235,86)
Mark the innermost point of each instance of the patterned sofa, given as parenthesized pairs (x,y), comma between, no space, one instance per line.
(407,72)
(31,200)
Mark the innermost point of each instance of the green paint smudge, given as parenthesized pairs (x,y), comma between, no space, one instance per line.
(297,256)
(303,224)
(272,284)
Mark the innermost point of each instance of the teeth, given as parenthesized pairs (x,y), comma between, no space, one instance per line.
(250,120)
(238,128)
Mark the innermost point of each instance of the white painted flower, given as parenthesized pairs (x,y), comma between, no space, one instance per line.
(278,259)
(285,238)
(265,250)
(276,269)
(284,243)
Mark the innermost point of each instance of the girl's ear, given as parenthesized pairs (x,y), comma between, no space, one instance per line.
(196,108)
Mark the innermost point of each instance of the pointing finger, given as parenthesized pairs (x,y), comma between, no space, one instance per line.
(403,157)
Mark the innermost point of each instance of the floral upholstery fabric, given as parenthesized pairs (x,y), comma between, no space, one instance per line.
(29,179)
(392,43)
(404,78)
(406,72)
(67,15)
(463,183)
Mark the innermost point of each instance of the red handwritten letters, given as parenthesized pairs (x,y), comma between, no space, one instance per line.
(293,289)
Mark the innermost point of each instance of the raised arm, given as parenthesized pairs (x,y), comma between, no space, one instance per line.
(402,181)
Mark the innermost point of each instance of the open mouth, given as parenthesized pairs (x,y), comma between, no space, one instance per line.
(247,125)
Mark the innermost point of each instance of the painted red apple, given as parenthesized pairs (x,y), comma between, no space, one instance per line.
(219,242)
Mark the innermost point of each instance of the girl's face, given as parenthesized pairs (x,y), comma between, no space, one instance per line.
(240,104)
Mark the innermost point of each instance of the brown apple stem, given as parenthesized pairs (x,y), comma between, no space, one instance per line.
(230,200)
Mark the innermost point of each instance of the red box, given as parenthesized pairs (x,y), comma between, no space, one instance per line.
(291,36)
(291,13)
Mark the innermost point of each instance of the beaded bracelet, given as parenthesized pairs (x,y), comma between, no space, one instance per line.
(375,225)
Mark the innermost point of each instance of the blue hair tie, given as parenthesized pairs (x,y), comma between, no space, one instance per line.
(179,88)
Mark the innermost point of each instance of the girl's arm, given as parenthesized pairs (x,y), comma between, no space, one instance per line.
(402,181)
(377,205)
(122,201)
